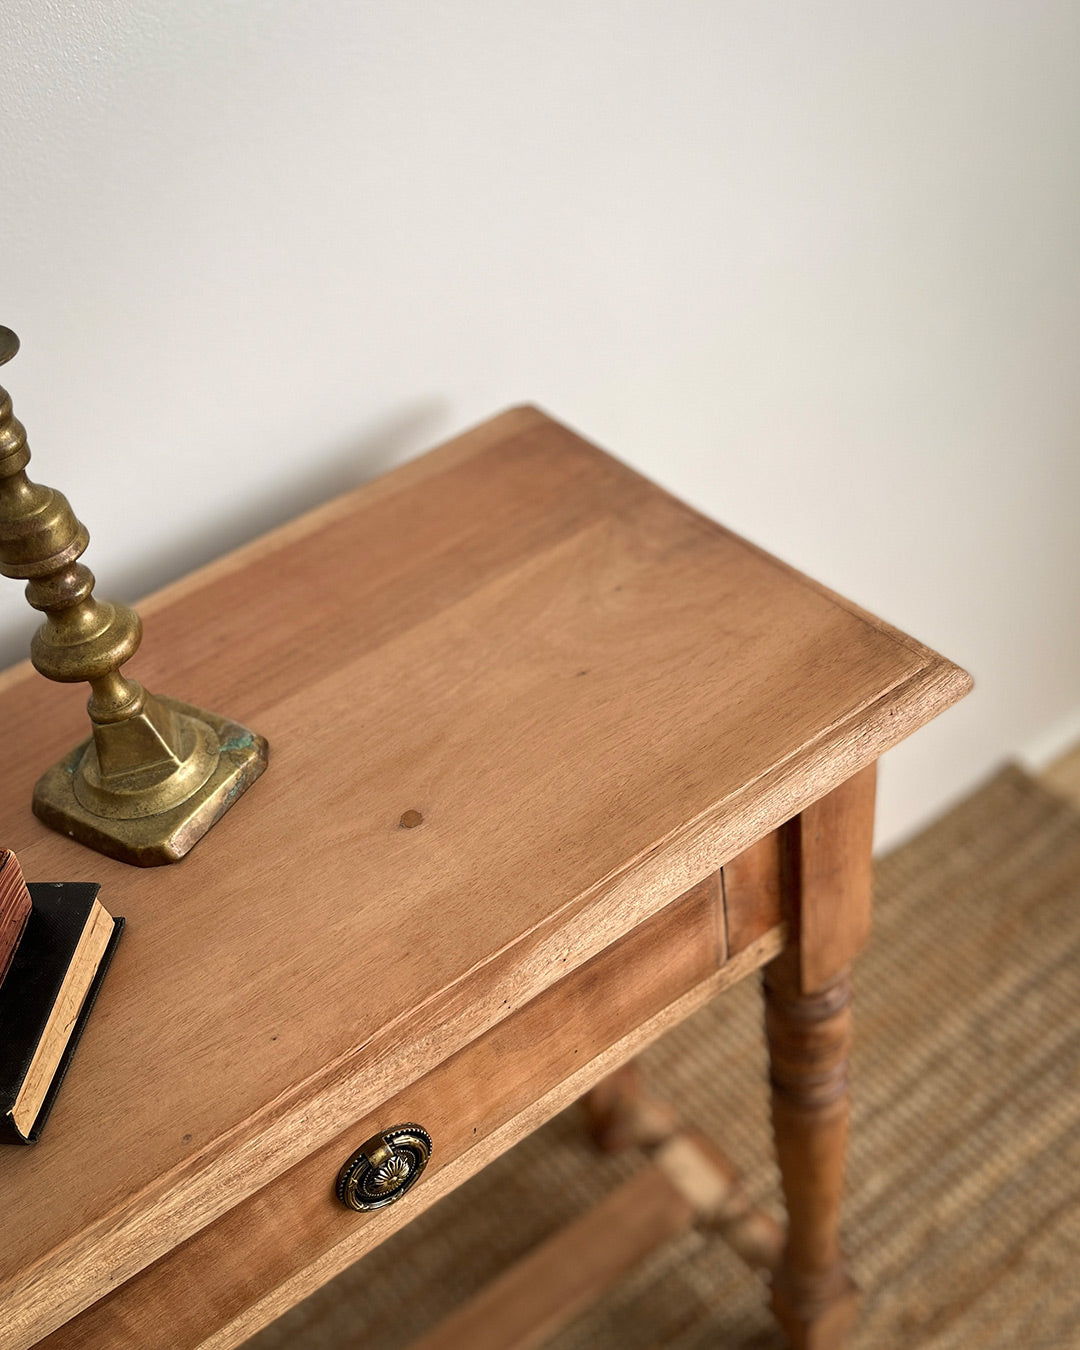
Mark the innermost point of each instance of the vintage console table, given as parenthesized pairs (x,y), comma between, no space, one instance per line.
(523,707)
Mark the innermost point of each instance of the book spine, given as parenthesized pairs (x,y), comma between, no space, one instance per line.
(77,1030)
(15,908)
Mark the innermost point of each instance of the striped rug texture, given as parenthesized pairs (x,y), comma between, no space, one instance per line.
(963,1220)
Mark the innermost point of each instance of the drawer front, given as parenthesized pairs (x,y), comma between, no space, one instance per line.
(285,1240)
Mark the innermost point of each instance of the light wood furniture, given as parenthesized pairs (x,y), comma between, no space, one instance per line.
(594,699)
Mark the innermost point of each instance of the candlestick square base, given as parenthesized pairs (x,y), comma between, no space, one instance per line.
(150,841)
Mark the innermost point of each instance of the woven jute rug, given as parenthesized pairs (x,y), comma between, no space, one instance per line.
(963,1218)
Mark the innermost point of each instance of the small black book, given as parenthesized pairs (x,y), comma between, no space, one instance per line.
(46,998)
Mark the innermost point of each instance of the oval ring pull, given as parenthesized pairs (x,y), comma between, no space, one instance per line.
(384,1167)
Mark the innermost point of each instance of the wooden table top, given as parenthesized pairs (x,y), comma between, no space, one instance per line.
(592,695)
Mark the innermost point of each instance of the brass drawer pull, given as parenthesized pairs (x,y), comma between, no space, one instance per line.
(383,1169)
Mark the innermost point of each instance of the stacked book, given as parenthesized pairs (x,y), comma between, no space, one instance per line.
(14,909)
(56,941)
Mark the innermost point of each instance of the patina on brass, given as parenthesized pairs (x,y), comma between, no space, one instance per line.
(157,773)
(384,1167)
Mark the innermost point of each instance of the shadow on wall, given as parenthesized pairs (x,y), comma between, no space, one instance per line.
(227,525)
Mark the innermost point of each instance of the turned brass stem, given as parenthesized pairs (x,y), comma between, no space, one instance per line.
(156,773)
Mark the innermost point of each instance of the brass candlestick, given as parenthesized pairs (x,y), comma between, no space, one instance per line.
(157,773)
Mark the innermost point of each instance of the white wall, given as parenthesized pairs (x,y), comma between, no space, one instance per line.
(812,266)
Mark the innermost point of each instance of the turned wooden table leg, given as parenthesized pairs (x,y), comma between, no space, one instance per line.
(826,880)
(621,1114)
(809,1038)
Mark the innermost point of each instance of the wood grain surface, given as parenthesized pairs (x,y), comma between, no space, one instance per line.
(278,1245)
(593,696)
(828,874)
(753,891)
